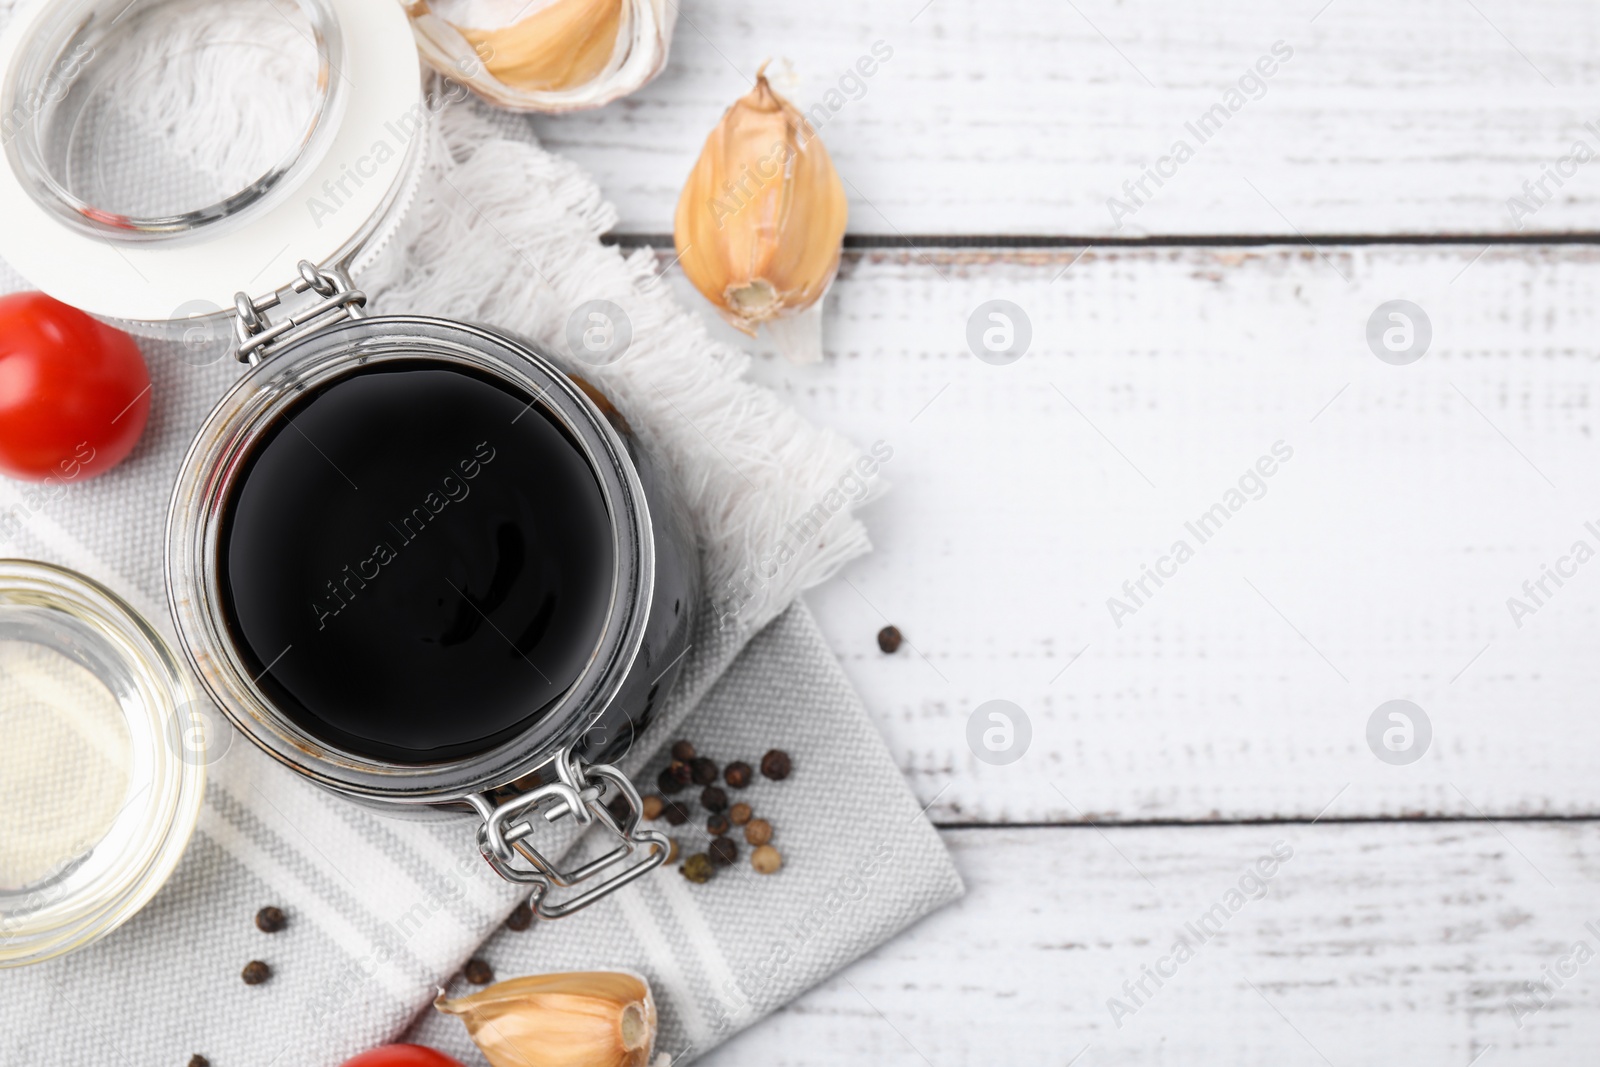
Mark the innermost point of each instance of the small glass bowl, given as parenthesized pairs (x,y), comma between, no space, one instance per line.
(102,780)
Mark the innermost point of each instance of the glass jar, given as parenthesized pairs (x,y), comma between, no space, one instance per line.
(312,205)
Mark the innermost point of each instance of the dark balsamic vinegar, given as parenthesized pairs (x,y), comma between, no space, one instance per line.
(416,562)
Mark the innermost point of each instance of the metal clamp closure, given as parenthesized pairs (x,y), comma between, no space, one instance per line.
(581,793)
(340,300)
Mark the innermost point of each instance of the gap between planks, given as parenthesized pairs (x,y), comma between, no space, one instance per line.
(922,240)
(1287,820)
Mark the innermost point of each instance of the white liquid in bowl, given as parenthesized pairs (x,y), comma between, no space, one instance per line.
(63,766)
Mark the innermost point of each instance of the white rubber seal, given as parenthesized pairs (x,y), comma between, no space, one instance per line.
(312,215)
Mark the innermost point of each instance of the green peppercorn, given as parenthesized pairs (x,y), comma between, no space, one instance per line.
(699,868)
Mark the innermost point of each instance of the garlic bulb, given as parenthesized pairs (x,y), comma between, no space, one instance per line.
(566,55)
(578,1019)
(760,222)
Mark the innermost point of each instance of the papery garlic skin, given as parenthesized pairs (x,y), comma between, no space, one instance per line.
(559,55)
(760,223)
(576,1019)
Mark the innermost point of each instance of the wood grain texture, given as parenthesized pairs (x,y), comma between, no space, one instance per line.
(1376,564)
(1396,943)
(1026,116)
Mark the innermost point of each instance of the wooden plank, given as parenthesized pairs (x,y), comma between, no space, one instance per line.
(1376,565)
(1027,116)
(1373,943)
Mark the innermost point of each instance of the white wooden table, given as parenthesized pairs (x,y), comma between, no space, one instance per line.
(1226,715)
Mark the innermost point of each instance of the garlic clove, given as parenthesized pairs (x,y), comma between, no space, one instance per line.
(561,46)
(567,55)
(760,223)
(576,1019)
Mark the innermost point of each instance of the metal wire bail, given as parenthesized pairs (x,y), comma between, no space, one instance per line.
(580,793)
(257,335)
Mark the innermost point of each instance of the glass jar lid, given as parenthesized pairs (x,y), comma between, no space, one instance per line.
(100,779)
(162,155)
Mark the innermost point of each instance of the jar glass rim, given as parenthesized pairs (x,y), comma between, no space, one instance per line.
(42,80)
(118,873)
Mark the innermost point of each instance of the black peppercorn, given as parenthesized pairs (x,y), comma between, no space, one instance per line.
(521,917)
(619,807)
(478,972)
(889,639)
(698,868)
(255,972)
(270,920)
(198,1060)
(723,852)
(775,765)
(668,782)
(703,770)
(714,799)
(738,774)
(675,813)
(682,751)
(717,825)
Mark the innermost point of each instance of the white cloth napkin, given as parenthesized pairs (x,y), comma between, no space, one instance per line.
(383,910)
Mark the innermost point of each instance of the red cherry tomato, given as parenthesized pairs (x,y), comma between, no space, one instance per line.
(74,392)
(402,1056)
